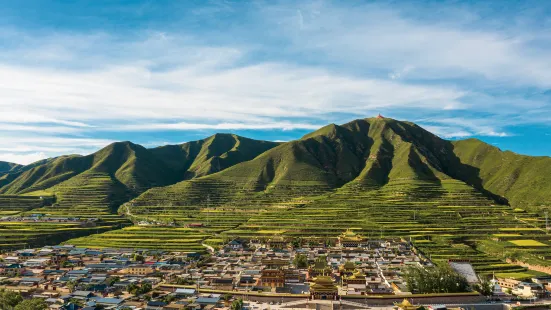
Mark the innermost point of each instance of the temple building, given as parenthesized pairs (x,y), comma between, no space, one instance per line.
(320,268)
(324,289)
(347,269)
(277,243)
(272,278)
(406,305)
(350,239)
(355,284)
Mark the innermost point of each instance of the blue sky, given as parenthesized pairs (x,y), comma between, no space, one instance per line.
(77,76)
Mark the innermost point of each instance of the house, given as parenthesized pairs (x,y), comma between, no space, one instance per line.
(350,239)
(155,305)
(184,292)
(225,284)
(176,306)
(235,245)
(37,262)
(507,283)
(206,301)
(13,270)
(31,281)
(140,269)
(109,302)
(83,295)
(77,274)
(530,290)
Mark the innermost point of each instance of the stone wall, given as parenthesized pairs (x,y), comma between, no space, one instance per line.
(545,269)
(444,299)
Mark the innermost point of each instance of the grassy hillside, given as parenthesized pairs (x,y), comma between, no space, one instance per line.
(123,170)
(371,152)
(7,167)
(368,153)
(210,155)
(379,176)
(524,180)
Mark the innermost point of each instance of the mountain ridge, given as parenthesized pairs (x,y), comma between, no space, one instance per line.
(122,170)
(368,153)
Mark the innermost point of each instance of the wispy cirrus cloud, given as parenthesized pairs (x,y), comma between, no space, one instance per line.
(283,67)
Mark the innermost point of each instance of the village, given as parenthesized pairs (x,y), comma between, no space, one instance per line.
(356,273)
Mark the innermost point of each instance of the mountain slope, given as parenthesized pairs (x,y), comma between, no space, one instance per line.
(210,155)
(369,154)
(7,167)
(123,170)
(523,180)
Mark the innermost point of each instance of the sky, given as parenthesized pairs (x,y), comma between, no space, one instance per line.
(78,75)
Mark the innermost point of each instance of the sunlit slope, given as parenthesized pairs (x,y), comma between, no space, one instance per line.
(210,155)
(123,170)
(524,180)
(370,152)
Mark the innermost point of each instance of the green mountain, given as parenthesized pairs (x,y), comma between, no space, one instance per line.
(123,170)
(369,154)
(524,180)
(7,167)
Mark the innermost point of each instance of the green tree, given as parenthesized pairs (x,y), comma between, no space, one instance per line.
(146,288)
(132,288)
(227,297)
(9,299)
(485,287)
(113,280)
(71,285)
(67,264)
(300,261)
(32,304)
(441,279)
(237,304)
(139,258)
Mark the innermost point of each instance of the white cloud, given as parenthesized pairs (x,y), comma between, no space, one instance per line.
(376,36)
(22,159)
(219,126)
(217,90)
(329,61)
(448,132)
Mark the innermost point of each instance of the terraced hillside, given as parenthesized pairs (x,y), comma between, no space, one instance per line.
(123,170)
(380,177)
(94,186)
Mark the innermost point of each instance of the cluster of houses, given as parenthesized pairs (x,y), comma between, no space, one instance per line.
(67,277)
(75,278)
(355,266)
(43,218)
(536,287)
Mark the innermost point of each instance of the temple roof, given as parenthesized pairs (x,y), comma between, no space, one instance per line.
(358,275)
(405,304)
(323,284)
(350,236)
